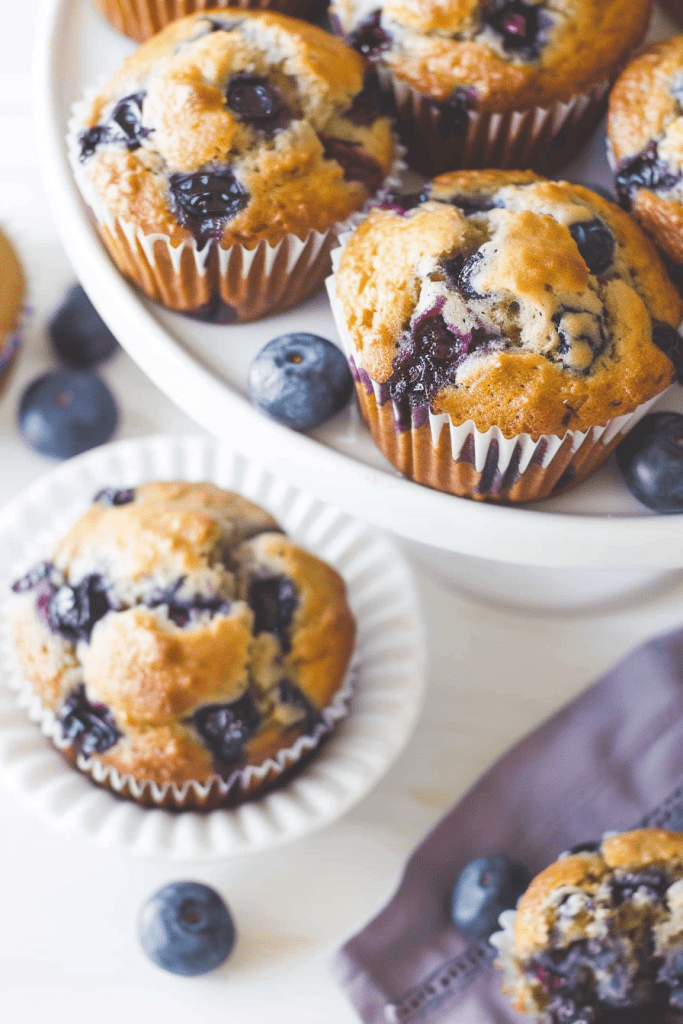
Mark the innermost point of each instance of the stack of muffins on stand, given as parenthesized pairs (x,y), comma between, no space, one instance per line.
(504,331)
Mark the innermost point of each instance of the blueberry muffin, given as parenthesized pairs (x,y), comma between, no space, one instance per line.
(503,331)
(598,936)
(12,298)
(220,158)
(645,132)
(494,83)
(140,19)
(187,650)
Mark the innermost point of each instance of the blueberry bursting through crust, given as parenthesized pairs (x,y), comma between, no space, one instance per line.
(72,611)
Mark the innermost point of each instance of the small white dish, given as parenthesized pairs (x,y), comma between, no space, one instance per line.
(388,663)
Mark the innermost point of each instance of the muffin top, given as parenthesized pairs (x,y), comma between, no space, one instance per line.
(235,127)
(496,54)
(12,289)
(610,871)
(645,131)
(599,933)
(178,634)
(510,300)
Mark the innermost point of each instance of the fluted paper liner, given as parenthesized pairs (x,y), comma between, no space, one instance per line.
(462,460)
(538,138)
(191,795)
(252,282)
(140,19)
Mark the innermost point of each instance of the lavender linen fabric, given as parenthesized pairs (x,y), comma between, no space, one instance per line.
(610,760)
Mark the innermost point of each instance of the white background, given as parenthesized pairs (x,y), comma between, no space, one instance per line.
(68,947)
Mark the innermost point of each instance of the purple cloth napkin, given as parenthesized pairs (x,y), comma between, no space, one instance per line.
(610,760)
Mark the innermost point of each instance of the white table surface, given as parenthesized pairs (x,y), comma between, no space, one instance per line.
(68,946)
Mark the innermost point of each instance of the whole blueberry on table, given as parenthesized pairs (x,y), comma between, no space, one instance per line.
(186,928)
(65,412)
(300,380)
(483,890)
(651,461)
(79,335)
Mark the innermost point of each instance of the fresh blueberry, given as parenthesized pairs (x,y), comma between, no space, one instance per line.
(300,380)
(484,889)
(651,460)
(65,412)
(186,928)
(80,336)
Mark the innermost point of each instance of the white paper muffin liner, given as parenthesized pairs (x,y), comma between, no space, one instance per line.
(191,794)
(188,278)
(140,19)
(462,460)
(539,138)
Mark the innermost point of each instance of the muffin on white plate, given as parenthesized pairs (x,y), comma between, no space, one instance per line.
(220,159)
(186,653)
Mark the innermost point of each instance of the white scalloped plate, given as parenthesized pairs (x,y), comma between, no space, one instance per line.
(389,659)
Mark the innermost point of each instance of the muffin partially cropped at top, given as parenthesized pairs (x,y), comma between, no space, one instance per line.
(12,305)
(140,19)
(494,83)
(504,331)
(221,157)
(598,935)
(184,651)
(645,133)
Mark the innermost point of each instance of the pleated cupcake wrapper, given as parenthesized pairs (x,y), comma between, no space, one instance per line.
(541,138)
(140,19)
(191,795)
(462,460)
(188,278)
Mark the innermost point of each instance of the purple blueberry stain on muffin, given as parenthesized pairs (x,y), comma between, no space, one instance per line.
(645,170)
(355,161)
(453,113)
(369,37)
(257,102)
(226,729)
(521,27)
(123,127)
(88,726)
(204,201)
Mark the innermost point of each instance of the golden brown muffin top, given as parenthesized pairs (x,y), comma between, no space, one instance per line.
(625,852)
(517,302)
(234,127)
(496,54)
(12,288)
(180,610)
(645,131)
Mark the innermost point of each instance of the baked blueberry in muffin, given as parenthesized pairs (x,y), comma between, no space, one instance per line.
(458,71)
(535,311)
(223,134)
(182,640)
(645,132)
(598,936)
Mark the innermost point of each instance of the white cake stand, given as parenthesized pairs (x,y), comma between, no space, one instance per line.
(593,545)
